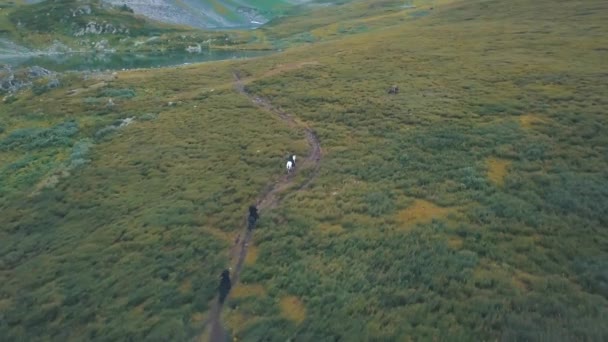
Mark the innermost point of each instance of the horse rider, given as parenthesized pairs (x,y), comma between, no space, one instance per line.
(292,159)
(225,285)
(253,217)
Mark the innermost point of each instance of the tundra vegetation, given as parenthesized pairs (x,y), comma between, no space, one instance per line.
(469,206)
(93,25)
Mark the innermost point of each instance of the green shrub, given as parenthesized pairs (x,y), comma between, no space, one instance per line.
(593,274)
(39,87)
(34,138)
(103,132)
(93,100)
(379,204)
(420,13)
(10,99)
(79,154)
(148,117)
(21,163)
(125,8)
(125,93)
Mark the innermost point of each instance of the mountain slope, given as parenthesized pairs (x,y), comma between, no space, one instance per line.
(84,25)
(72,19)
(209,13)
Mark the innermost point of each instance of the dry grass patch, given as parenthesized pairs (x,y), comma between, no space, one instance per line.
(236,321)
(281,68)
(78,91)
(455,242)
(252,255)
(497,170)
(528,121)
(421,211)
(5,304)
(552,90)
(327,228)
(138,310)
(198,317)
(185,287)
(248,290)
(219,234)
(293,309)
(523,280)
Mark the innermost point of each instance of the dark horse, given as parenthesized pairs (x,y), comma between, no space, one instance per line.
(225,285)
(253,217)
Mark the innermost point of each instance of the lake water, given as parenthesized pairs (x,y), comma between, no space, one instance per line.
(119,61)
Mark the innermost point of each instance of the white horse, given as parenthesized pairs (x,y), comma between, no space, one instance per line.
(291,163)
(289,166)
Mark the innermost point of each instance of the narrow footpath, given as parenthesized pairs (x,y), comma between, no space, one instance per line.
(268,199)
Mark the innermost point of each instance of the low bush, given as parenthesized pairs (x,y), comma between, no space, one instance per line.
(125,93)
(79,154)
(148,117)
(105,131)
(35,138)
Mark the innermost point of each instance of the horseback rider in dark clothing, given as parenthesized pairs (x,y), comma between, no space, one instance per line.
(253,217)
(225,285)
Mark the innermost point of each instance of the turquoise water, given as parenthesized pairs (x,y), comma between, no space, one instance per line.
(119,61)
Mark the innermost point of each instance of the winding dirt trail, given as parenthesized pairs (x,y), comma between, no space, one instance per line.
(268,199)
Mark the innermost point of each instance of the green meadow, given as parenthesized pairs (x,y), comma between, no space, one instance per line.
(469,206)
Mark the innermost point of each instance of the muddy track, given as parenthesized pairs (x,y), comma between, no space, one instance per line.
(268,199)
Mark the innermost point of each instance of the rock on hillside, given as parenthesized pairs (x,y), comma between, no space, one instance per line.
(12,81)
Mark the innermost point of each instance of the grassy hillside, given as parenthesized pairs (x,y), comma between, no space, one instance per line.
(93,25)
(470,206)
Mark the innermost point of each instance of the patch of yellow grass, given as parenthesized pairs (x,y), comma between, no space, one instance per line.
(293,309)
(204,336)
(93,87)
(486,270)
(138,310)
(421,211)
(527,121)
(219,234)
(248,290)
(523,280)
(551,90)
(252,255)
(331,228)
(198,317)
(497,170)
(5,304)
(324,31)
(185,287)
(235,319)
(281,68)
(455,242)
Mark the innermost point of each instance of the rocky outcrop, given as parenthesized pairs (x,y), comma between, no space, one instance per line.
(194,49)
(12,81)
(95,28)
(253,15)
(82,10)
(37,72)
